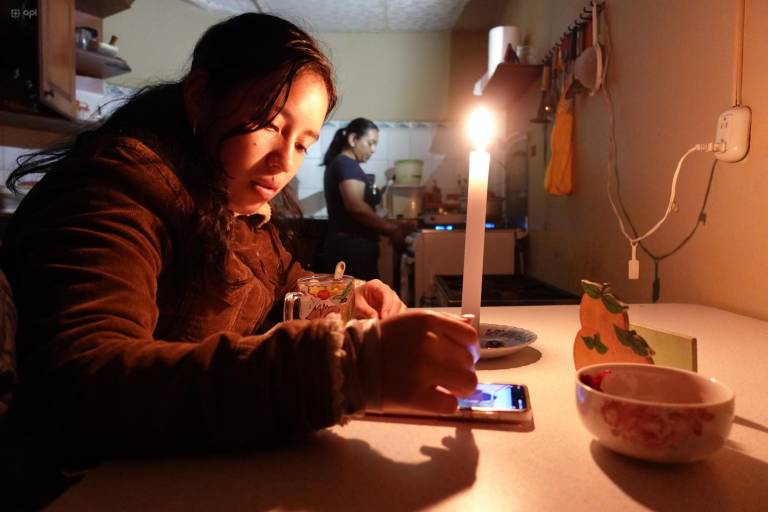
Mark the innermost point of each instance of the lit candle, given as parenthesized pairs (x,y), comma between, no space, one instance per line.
(480,130)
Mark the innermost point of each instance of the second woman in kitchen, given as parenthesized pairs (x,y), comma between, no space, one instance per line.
(353,226)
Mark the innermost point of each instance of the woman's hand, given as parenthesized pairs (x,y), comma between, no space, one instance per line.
(375,299)
(426,362)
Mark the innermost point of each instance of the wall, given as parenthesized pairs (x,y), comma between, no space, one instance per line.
(399,76)
(157,38)
(670,78)
(387,76)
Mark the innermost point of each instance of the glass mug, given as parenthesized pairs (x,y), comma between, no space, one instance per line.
(320,295)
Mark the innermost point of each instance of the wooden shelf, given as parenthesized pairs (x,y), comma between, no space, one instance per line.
(510,81)
(41,122)
(102,8)
(97,65)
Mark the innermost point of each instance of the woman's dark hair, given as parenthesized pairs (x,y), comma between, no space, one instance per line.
(358,127)
(240,53)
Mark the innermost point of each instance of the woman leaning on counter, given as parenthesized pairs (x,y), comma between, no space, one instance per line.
(353,226)
(146,261)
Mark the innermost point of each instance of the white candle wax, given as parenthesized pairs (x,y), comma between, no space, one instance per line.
(474,241)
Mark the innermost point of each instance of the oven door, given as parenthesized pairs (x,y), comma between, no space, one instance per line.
(442,253)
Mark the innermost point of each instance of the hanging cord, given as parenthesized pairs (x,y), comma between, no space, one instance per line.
(738,53)
(613,174)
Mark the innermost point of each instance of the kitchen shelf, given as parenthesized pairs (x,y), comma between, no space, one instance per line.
(41,122)
(510,81)
(97,65)
(102,8)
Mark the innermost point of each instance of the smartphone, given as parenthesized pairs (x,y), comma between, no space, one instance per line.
(496,402)
(491,403)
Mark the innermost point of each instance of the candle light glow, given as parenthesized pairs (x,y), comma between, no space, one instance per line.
(480,129)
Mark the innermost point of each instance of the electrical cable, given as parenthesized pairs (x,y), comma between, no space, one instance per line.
(613,173)
(738,53)
(670,206)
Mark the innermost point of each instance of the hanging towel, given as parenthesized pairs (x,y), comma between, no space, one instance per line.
(558,180)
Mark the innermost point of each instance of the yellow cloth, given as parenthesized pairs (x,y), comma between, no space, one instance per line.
(558,180)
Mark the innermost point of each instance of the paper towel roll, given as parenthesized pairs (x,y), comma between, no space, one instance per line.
(498,39)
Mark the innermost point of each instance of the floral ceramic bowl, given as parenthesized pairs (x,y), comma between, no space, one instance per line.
(654,413)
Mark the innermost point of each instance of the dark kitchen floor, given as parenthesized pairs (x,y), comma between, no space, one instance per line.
(504,290)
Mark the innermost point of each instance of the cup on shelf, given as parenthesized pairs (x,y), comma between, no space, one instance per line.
(84,35)
(102,48)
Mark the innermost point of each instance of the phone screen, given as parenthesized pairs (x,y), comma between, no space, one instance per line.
(506,397)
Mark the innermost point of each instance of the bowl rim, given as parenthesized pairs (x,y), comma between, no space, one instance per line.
(686,405)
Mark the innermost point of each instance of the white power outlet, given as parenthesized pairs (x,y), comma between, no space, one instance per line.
(733,131)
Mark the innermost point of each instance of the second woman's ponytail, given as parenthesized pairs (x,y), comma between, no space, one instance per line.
(357,127)
(335,147)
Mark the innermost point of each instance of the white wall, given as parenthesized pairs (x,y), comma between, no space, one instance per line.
(387,76)
(157,38)
(391,76)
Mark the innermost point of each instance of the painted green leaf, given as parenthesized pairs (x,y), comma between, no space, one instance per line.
(594,290)
(625,337)
(633,340)
(613,304)
(594,343)
(640,350)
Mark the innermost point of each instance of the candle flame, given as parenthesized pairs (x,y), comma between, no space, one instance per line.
(480,127)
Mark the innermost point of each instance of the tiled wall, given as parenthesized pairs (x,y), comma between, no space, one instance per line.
(8,156)
(10,151)
(441,147)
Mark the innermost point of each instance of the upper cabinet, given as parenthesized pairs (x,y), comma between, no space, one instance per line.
(510,81)
(46,73)
(102,8)
(56,48)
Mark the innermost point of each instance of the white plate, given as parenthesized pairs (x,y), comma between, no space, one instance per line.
(513,339)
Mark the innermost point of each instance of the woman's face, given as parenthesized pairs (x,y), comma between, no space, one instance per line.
(364,146)
(259,164)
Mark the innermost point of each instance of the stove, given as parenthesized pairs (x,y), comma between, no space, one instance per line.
(432,252)
(450,222)
(503,290)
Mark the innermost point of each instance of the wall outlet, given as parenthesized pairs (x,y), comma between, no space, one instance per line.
(733,131)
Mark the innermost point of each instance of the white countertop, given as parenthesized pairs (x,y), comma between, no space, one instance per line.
(371,466)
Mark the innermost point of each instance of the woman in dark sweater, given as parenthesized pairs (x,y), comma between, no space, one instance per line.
(146,261)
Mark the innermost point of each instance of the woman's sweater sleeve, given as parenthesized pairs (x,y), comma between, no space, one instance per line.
(85,274)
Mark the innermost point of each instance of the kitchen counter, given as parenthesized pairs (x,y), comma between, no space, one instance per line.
(433,465)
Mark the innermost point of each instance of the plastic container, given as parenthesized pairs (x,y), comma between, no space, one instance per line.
(405,201)
(408,172)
